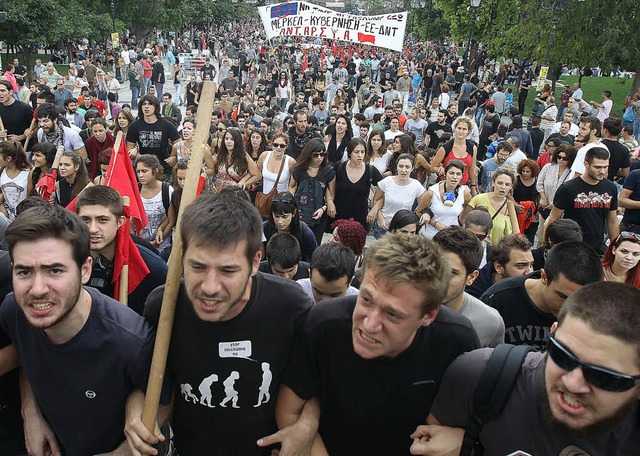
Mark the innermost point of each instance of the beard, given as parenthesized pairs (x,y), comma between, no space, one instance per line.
(605,424)
(67,307)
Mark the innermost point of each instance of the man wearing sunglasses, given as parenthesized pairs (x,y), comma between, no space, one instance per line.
(581,397)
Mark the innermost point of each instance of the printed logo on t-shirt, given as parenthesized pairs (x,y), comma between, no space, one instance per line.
(90,394)
(151,139)
(230,396)
(592,200)
(573,451)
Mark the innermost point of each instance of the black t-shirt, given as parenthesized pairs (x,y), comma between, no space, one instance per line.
(481,97)
(301,273)
(351,197)
(524,323)
(11,434)
(564,140)
(589,206)
(523,193)
(632,183)
(154,139)
(435,132)
(82,385)
(618,159)
(16,117)
(372,406)
(482,282)
(238,363)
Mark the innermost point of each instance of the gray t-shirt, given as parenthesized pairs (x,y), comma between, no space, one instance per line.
(485,320)
(521,425)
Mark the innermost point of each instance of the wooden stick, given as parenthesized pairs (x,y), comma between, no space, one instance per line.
(123,281)
(1,124)
(165,324)
(26,140)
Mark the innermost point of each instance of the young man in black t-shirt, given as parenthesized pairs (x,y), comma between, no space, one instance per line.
(591,200)
(375,361)
(81,352)
(231,338)
(152,134)
(530,304)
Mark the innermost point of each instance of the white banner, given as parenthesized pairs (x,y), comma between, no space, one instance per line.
(307,19)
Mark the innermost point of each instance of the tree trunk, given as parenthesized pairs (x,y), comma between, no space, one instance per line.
(636,80)
(26,55)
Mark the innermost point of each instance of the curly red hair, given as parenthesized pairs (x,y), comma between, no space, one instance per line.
(352,234)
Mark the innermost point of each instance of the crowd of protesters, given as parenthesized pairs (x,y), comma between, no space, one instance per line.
(492,225)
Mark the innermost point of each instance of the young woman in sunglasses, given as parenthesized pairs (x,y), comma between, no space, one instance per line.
(310,179)
(270,162)
(621,261)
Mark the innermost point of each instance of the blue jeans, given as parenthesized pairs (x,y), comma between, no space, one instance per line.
(479,114)
(636,128)
(378,231)
(134,96)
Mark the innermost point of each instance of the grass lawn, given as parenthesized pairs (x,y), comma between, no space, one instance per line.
(592,89)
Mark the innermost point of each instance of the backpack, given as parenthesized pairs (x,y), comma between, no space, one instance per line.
(166,201)
(492,392)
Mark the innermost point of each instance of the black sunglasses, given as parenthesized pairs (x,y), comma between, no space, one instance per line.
(482,237)
(319,154)
(599,377)
(279,145)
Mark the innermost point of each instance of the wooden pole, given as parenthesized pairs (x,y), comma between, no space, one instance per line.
(172,286)
(123,281)
(26,140)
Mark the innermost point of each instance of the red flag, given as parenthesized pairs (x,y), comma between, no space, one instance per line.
(350,51)
(127,254)
(341,54)
(406,53)
(334,49)
(120,176)
(304,60)
(323,55)
(47,184)
(365,38)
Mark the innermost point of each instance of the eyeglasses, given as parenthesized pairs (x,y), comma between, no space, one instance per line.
(627,235)
(599,377)
(279,145)
(319,154)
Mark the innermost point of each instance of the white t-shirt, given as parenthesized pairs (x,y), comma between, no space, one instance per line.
(390,135)
(398,197)
(605,110)
(515,158)
(156,215)
(381,162)
(126,59)
(578,163)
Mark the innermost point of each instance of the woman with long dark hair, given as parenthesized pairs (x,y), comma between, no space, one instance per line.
(404,144)
(338,136)
(155,195)
(42,157)
(378,155)
(352,185)
(15,178)
(74,178)
(310,182)
(233,166)
(256,145)
(284,217)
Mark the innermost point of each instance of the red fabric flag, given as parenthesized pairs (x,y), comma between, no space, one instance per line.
(350,51)
(47,184)
(406,53)
(127,253)
(365,38)
(334,49)
(323,55)
(341,54)
(304,60)
(120,176)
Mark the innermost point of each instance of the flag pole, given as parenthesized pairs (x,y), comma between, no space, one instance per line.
(123,281)
(165,323)
(26,140)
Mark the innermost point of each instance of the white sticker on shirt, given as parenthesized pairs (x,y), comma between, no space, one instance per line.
(239,349)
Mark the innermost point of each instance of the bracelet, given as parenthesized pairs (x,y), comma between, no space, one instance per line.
(473,185)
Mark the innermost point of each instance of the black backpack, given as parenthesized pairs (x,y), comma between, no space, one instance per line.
(492,392)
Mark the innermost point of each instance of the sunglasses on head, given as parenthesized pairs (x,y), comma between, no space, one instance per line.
(599,377)
(627,235)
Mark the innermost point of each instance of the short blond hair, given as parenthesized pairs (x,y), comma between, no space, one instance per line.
(411,259)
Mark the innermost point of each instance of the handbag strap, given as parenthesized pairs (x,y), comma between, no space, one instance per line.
(275,186)
(501,207)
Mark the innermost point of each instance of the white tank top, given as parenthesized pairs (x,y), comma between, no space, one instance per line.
(14,190)
(269,177)
(446,215)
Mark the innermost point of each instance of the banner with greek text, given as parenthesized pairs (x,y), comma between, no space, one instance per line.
(307,19)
